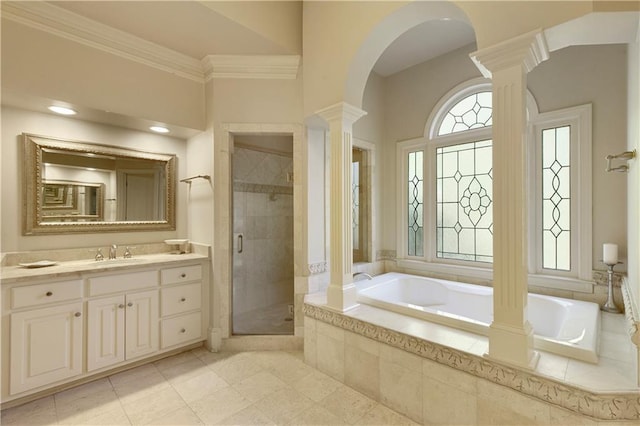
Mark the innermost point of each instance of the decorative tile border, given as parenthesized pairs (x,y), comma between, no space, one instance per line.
(605,406)
(386,255)
(317,268)
(262,188)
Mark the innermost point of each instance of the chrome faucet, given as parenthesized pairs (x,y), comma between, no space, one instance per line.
(112,251)
(363,274)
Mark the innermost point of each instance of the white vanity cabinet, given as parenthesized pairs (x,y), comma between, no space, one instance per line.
(180,305)
(60,327)
(121,328)
(46,334)
(124,325)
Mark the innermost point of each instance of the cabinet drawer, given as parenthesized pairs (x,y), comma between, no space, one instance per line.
(119,283)
(41,294)
(181,274)
(181,329)
(182,298)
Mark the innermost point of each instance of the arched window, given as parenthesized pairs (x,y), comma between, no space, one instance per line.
(447,187)
(472,112)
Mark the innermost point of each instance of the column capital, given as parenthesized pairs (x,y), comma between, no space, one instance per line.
(342,111)
(527,50)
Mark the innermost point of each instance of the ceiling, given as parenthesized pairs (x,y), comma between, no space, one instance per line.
(422,43)
(201,28)
(194,28)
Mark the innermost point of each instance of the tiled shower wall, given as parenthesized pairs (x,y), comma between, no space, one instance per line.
(263,215)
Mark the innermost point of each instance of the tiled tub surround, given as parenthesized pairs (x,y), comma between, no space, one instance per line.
(562,326)
(437,375)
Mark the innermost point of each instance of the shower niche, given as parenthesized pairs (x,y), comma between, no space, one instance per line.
(263,273)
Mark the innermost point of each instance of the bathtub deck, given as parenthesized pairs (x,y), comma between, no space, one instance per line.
(611,373)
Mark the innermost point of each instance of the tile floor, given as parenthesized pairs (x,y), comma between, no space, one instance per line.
(200,387)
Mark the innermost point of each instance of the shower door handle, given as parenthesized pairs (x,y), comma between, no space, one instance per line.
(240,243)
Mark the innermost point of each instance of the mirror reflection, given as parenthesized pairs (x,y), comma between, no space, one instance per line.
(81,187)
(72,201)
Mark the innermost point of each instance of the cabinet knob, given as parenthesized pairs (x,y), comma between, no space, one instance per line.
(121,306)
(184,330)
(130,304)
(77,314)
(49,293)
(183,275)
(183,299)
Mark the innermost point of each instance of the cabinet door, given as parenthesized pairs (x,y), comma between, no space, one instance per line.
(141,323)
(105,335)
(46,346)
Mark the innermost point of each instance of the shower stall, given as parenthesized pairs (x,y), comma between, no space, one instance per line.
(263,275)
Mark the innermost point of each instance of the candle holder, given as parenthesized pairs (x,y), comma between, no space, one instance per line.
(609,305)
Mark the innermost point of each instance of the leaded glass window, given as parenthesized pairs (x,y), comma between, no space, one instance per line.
(415,197)
(464,193)
(556,198)
(472,112)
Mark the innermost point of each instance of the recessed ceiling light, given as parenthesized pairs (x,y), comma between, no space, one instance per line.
(159,129)
(62,110)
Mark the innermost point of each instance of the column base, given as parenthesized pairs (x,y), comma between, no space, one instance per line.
(342,297)
(512,346)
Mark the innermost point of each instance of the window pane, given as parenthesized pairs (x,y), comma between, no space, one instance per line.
(463,202)
(415,204)
(556,198)
(472,112)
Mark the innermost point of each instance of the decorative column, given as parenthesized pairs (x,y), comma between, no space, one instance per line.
(341,294)
(507,64)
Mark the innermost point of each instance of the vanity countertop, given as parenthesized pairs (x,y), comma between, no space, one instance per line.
(67,269)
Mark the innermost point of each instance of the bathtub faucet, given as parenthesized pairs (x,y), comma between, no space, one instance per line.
(112,251)
(364,274)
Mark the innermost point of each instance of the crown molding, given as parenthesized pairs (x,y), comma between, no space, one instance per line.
(251,66)
(55,20)
(63,23)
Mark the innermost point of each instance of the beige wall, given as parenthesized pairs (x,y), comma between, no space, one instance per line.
(597,75)
(16,121)
(360,31)
(328,53)
(233,102)
(280,22)
(573,76)
(199,193)
(495,21)
(40,64)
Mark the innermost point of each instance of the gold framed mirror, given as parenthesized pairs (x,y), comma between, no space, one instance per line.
(72,186)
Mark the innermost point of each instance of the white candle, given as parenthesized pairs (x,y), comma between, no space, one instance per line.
(609,254)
